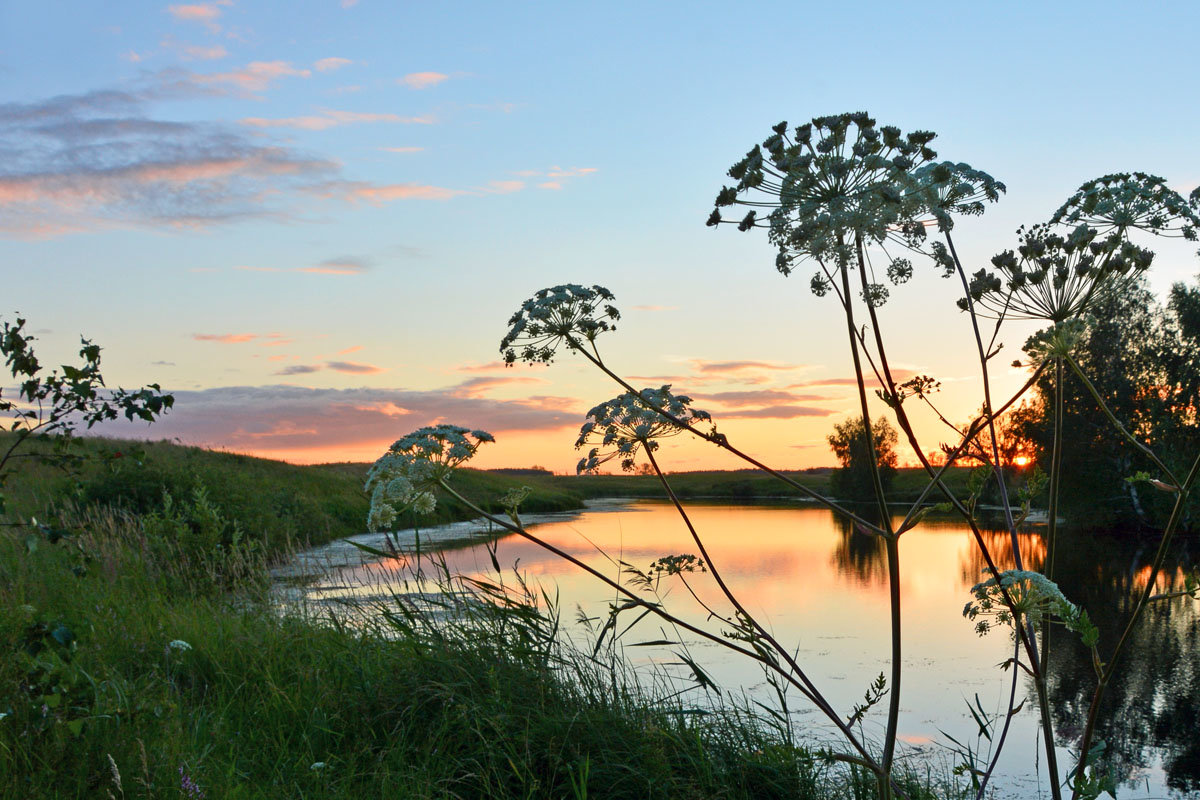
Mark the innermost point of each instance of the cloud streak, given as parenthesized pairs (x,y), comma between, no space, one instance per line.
(330,118)
(298,418)
(97,160)
(422,80)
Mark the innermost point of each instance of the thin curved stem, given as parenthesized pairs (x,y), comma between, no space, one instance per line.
(673,620)
(722,441)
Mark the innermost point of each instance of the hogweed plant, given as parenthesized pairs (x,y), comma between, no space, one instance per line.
(864,206)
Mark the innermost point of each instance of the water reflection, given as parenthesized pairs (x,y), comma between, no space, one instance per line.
(1153,706)
(821,586)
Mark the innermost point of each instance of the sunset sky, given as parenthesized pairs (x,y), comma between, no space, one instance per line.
(312,220)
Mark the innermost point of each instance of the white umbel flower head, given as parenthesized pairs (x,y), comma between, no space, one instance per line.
(1127,201)
(1055,277)
(405,476)
(629,422)
(568,314)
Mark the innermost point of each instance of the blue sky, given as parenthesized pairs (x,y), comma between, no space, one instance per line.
(312,220)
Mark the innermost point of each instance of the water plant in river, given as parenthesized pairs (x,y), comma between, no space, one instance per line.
(860,203)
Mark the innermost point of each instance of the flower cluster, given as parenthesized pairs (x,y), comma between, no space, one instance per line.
(568,314)
(1056,277)
(630,421)
(1034,597)
(841,179)
(1127,201)
(404,477)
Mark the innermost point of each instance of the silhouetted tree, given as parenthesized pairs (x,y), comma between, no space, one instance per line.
(849,443)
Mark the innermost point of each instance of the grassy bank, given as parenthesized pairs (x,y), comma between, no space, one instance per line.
(274,505)
(137,674)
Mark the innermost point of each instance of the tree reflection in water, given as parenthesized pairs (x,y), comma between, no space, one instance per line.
(1152,708)
(1153,703)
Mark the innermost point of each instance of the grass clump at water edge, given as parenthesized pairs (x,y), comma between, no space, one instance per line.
(138,674)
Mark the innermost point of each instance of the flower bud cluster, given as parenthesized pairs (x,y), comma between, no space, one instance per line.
(1127,201)
(629,422)
(405,476)
(568,313)
(842,179)
(1056,277)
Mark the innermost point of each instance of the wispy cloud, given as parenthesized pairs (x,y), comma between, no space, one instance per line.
(758,397)
(331,64)
(95,160)
(195,52)
(740,366)
(898,374)
(225,338)
(257,76)
(299,418)
(349,350)
(344,265)
(402,149)
(479,387)
(778,412)
(557,177)
(505,187)
(355,368)
(378,194)
(422,80)
(655,308)
(206,14)
(299,369)
(330,118)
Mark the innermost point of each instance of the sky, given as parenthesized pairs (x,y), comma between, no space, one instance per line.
(311,221)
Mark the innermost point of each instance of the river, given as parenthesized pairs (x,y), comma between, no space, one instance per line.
(822,589)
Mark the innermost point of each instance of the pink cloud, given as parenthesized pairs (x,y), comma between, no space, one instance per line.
(329,118)
(206,14)
(759,397)
(257,76)
(505,187)
(354,368)
(225,338)
(378,194)
(342,265)
(350,350)
(479,387)
(553,185)
(655,308)
(299,418)
(402,149)
(422,80)
(899,375)
(95,160)
(200,53)
(738,366)
(777,412)
(572,172)
(330,64)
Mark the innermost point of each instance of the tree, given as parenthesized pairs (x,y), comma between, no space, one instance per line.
(52,407)
(854,481)
(1144,361)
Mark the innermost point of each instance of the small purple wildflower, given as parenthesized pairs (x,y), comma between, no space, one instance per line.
(189,787)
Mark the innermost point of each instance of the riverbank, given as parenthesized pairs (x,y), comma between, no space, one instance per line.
(148,660)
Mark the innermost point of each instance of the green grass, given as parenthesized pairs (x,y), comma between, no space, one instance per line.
(468,711)
(277,506)
(97,701)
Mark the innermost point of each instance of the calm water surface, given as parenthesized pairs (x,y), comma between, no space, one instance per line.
(822,589)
